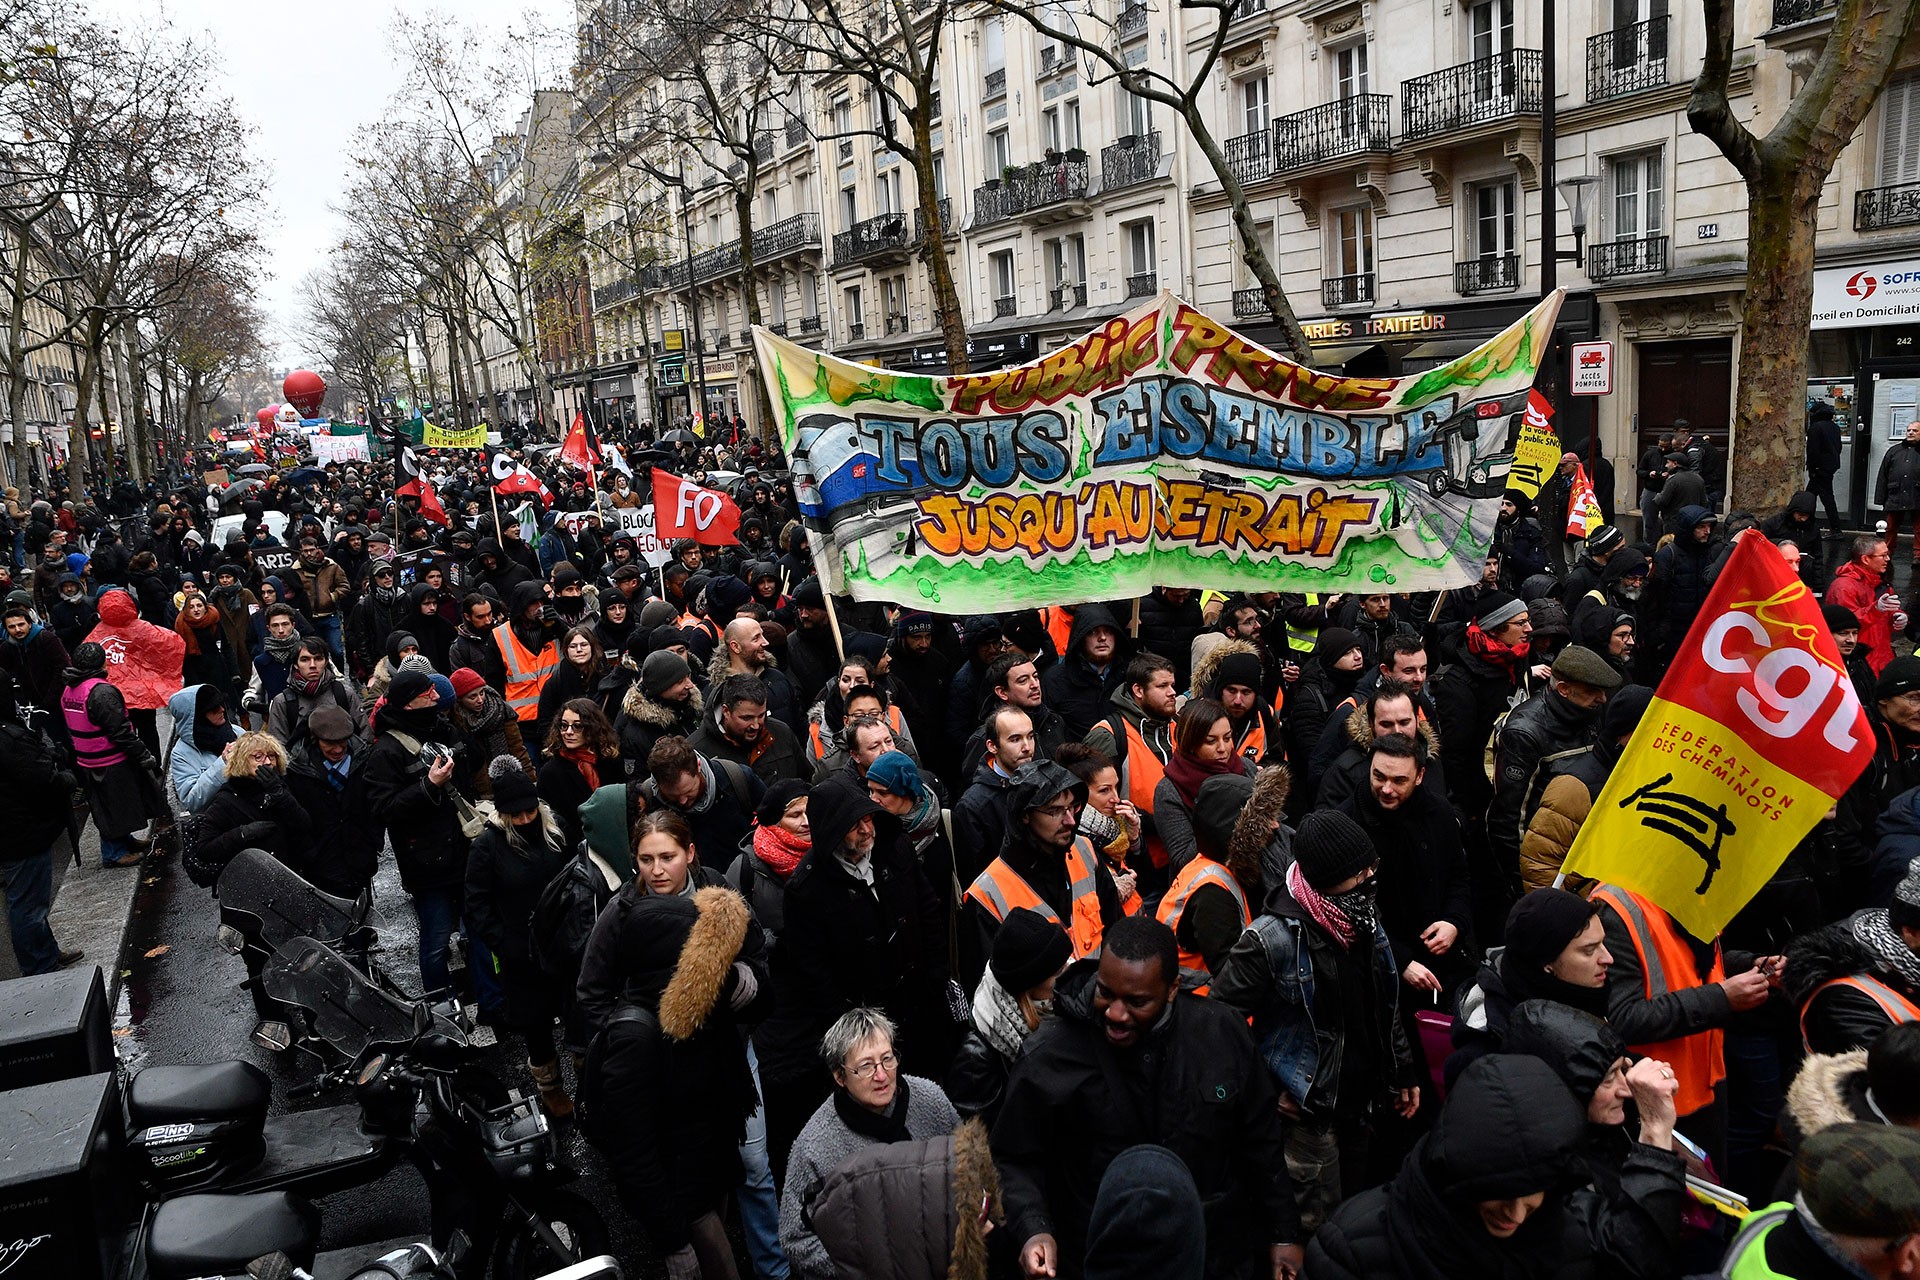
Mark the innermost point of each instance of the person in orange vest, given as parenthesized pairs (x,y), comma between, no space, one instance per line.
(1138,735)
(1207,906)
(1670,996)
(529,644)
(1856,977)
(1232,674)
(1108,819)
(1046,865)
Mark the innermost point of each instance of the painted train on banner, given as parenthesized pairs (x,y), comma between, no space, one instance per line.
(1161,448)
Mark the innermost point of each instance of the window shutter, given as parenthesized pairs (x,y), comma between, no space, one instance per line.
(1900,132)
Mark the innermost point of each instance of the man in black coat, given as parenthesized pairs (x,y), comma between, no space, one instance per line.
(1170,620)
(980,815)
(1127,1060)
(716,796)
(327,774)
(34,812)
(1562,717)
(32,654)
(1079,685)
(473,644)
(1823,458)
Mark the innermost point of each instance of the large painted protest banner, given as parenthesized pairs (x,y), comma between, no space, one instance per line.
(1162,448)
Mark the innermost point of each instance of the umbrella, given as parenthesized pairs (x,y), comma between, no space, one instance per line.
(253,469)
(307,475)
(238,490)
(680,437)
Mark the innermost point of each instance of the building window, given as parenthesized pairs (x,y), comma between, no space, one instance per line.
(809,294)
(1137,112)
(856,313)
(1062,126)
(999,152)
(1493,234)
(940,175)
(1900,131)
(769,207)
(888,188)
(1353,242)
(1141,258)
(1350,72)
(1637,185)
(1000,273)
(843,116)
(1255,103)
(1490,27)
(849,207)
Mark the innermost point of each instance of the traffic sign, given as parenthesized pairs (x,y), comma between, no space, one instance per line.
(1592,369)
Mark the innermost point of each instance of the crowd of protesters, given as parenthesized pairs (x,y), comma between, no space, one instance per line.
(1180,936)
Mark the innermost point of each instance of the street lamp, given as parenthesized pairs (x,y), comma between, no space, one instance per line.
(1577,191)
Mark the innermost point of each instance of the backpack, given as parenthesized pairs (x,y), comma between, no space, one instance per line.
(564,915)
(586,1096)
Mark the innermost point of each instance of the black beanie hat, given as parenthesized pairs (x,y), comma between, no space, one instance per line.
(406,686)
(1331,847)
(1840,618)
(1216,811)
(513,790)
(1333,644)
(1542,923)
(1238,668)
(1027,950)
(779,795)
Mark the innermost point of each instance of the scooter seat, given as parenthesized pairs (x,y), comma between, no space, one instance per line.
(202,1235)
(217,1091)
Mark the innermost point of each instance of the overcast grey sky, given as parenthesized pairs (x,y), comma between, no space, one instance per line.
(307,75)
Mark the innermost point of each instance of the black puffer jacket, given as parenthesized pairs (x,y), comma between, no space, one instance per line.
(1838,1019)
(1071,686)
(1169,629)
(1640,1191)
(1543,725)
(504,882)
(34,791)
(1469,694)
(1509,1129)
(1196,1087)
(256,812)
(420,817)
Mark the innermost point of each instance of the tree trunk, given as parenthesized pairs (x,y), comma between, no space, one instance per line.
(1293,341)
(1769,436)
(933,251)
(16,405)
(77,443)
(750,359)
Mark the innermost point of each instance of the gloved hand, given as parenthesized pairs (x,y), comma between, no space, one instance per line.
(745,985)
(1889,602)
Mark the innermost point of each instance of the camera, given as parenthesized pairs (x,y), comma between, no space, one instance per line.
(432,753)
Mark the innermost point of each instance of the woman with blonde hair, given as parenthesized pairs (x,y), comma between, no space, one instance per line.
(253,809)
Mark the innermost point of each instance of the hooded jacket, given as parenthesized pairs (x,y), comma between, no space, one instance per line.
(36,663)
(196,773)
(774,755)
(505,574)
(644,720)
(1196,1087)
(1838,1019)
(1544,725)
(910,1210)
(143,660)
(1509,1128)
(667,1077)
(1681,577)
(1347,774)
(1073,687)
(1168,629)
(1858,589)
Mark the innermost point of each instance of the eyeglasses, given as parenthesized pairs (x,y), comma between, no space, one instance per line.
(866,1070)
(1059,811)
(569,726)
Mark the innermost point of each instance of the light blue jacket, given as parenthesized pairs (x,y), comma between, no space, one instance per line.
(196,774)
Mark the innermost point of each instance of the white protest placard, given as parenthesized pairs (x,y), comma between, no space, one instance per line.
(636,523)
(340,449)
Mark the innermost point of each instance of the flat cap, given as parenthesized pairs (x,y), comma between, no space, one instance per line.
(1582,665)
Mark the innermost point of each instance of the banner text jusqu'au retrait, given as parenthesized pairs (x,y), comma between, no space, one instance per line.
(1160,449)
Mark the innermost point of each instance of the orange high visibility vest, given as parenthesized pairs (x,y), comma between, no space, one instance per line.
(1253,746)
(1000,889)
(1201,871)
(1896,1006)
(527,671)
(1699,1061)
(698,623)
(816,730)
(1059,625)
(1144,771)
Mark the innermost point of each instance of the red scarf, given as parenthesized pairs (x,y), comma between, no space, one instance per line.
(1189,775)
(1324,913)
(586,762)
(1513,657)
(780,849)
(191,634)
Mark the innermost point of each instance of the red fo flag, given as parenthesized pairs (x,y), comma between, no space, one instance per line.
(509,476)
(582,446)
(683,509)
(411,481)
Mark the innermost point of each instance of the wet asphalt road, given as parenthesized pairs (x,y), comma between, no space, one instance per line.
(181,1002)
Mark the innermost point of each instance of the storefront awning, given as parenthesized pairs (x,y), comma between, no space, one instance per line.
(1441,349)
(1334,357)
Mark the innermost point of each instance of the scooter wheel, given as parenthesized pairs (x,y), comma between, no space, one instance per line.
(522,1254)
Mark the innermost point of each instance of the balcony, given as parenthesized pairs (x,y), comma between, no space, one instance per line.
(1874,209)
(1133,159)
(1485,91)
(881,237)
(896,322)
(796,132)
(1247,9)
(1132,20)
(763,147)
(1048,191)
(1346,291)
(616,292)
(845,149)
(810,324)
(1054,57)
(1065,297)
(993,85)
(1644,257)
(945,207)
(1250,304)
(1490,273)
(778,330)
(1143,284)
(857,331)
(1004,307)
(1352,126)
(933,107)
(789,235)
(1627,60)
(1788,12)
(1250,155)
(724,341)
(710,264)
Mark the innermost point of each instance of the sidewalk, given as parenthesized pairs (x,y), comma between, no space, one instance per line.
(92,907)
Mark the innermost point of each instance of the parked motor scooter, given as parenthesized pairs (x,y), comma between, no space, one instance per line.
(488,1158)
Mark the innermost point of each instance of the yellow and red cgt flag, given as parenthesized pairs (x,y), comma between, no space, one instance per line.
(1583,508)
(1753,733)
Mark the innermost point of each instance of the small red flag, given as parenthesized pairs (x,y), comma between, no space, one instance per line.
(582,446)
(683,509)
(411,480)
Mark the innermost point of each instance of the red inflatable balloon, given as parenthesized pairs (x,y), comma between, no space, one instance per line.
(265,416)
(304,390)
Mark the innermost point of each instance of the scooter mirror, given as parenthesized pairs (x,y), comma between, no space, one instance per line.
(601,1268)
(276,1036)
(363,904)
(274,1266)
(422,1018)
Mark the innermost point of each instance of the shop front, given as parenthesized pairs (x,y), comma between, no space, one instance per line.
(1863,359)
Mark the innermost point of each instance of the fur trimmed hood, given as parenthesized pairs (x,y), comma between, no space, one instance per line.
(1819,1096)
(706,958)
(911,1210)
(1207,666)
(1826,953)
(638,706)
(1360,730)
(1253,832)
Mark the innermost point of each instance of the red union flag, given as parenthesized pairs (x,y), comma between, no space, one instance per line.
(1754,732)
(683,509)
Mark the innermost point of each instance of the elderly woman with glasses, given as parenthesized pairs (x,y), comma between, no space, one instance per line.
(580,751)
(872,1103)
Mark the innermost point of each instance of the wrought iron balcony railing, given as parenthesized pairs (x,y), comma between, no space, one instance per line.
(810,324)
(1788,12)
(896,322)
(1346,291)
(1877,207)
(1646,256)
(1031,187)
(1065,297)
(1132,20)
(1473,93)
(615,292)
(1627,60)
(1141,284)
(1003,307)
(883,233)
(945,206)
(789,235)
(1349,126)
(857,330)
(1489,273)
(1250,304)
(993,85)
(1250,155)
(796,132)
(1134,158)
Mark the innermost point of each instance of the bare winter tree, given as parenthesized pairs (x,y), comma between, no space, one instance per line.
(354,322)
(1182,85)
(1784,171)
(203,334)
